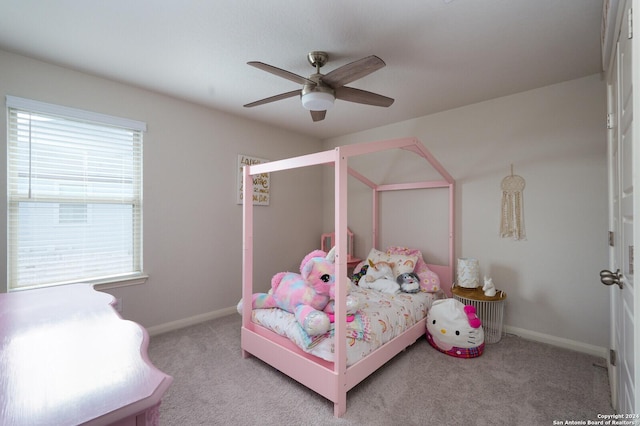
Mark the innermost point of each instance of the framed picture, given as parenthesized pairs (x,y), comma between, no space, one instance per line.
(261,182)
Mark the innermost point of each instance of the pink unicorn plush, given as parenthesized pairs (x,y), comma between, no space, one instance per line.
(307,295)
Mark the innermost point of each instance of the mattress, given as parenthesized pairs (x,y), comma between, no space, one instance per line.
(381,317)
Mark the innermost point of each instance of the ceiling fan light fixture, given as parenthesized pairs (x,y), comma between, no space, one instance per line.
(319,91)
(317,101)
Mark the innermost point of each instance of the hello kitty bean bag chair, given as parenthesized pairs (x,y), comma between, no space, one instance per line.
(454,329)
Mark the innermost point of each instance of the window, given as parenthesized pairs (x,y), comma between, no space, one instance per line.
(74,189)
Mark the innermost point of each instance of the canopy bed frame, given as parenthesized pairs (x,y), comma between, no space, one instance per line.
(333,379)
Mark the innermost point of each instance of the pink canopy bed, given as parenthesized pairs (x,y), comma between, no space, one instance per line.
(334,377)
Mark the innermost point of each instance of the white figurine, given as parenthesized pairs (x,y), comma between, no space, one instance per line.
(488,288)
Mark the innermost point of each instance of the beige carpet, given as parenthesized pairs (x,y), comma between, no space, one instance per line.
(515,382)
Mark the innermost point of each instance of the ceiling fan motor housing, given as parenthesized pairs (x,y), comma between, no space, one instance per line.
(317,59)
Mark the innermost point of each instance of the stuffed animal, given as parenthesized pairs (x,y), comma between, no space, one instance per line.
(355,278)
(409,282)
(306,295)
(379,277)
(454,329)
(429,280)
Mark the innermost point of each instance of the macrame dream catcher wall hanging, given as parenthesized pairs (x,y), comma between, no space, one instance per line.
(512,220)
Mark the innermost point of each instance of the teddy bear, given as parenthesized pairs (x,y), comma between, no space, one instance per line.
(308,295)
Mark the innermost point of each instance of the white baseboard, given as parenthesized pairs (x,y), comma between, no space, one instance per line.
(521,332)
(186,322)
(559,341)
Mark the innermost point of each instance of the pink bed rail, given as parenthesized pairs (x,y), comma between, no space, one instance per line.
(333,380)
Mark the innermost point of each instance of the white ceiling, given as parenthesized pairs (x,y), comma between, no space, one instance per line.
(440,54)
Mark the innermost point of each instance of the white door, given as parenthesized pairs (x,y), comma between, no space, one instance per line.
(614,223)
(624,297)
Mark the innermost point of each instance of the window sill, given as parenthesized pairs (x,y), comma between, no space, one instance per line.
(120,282)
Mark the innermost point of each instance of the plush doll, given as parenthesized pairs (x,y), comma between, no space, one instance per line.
(379,277)
(409,282)
(454,328)
(306,295)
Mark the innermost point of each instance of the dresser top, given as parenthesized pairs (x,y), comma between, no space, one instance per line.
(66,357)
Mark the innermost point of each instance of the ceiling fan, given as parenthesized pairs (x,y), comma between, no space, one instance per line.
(320,91)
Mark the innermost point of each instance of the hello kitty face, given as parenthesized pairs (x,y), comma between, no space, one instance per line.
(452,324)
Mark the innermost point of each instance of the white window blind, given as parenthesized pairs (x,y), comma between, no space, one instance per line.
(74,195)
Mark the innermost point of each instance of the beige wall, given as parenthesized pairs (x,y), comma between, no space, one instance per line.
(192,224)
(555,138)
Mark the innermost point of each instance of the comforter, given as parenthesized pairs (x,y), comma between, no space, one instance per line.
(381,317)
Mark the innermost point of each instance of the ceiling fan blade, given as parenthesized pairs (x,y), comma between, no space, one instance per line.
(362,97)
(274,98)
(353,71)
(318,115)
(281,73)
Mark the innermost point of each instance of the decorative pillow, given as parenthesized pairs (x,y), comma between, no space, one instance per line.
(429,280)
(402,263)
(454,329)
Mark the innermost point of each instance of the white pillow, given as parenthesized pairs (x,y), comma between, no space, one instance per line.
(402,264)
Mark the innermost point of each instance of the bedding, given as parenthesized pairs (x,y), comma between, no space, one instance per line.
(405,260)
(380,318)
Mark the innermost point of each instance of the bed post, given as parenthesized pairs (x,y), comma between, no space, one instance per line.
(340,362)
(452,224)
(247,249)
(374,218)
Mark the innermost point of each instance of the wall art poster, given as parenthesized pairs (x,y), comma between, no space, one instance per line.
(261,182)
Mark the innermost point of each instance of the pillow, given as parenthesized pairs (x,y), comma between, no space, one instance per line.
(402,263)
(429,280)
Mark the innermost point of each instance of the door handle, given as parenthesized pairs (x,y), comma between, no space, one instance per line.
(610,278)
